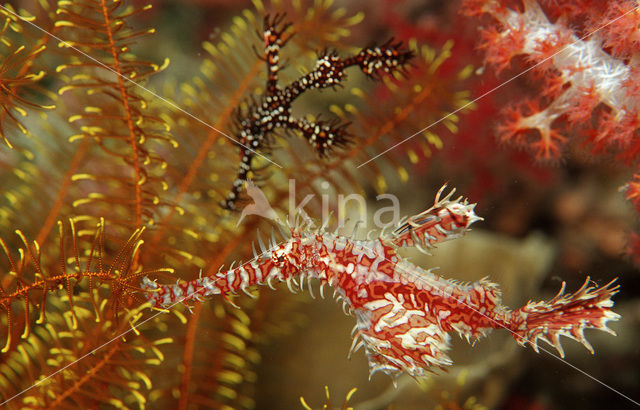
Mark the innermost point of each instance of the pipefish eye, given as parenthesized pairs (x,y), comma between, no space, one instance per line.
(280,259)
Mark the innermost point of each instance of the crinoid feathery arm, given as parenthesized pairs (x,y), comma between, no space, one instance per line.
(404,313)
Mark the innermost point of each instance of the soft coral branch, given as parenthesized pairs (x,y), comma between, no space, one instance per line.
(519,123)
(587,74)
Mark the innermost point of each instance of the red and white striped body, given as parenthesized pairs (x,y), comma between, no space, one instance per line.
(404,313)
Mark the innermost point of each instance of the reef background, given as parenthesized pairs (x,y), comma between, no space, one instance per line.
(103,151)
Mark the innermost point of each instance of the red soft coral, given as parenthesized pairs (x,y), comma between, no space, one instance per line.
(579,71)
(622,37)
(585,58)
(528,125)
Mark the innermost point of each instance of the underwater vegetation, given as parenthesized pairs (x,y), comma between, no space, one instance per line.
(146,144)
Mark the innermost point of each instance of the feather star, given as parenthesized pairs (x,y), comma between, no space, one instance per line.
(404,313)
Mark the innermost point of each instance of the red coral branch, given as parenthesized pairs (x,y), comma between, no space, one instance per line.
(578,53)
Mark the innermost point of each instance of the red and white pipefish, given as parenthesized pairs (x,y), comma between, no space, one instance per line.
(404,313)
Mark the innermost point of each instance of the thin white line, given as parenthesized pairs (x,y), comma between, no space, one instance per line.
(409,273)
(509,330)
(189,296)
(230,138)
(88,354)
(495,88)
(140,86)
(520,337)
(434,285)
